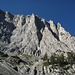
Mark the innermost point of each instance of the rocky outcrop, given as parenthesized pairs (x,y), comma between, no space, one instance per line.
(7,70)
(66,37)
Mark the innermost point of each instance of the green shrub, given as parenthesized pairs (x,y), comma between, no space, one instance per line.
(71,57)
(27,56)
(53,59)
(46,63)
(16,57)
(60,60)
(3,55)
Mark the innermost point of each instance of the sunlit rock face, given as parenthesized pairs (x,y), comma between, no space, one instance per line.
(32,35)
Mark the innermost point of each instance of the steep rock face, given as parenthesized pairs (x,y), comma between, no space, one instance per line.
(27,34)
(47,41)
(32,35)
(6,28)
(53,27)
(66,37)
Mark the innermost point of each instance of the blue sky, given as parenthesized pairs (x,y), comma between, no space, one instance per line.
(62,11)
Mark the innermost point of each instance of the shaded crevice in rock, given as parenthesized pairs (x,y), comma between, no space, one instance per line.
(40,26)
(6,31)
(39,37)
(38,52)
(6,27)
(35,71)
(54,34)
(2,15)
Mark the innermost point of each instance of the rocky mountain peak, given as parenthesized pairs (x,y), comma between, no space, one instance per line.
(8,17)
(32,18)
(53,27)
(28,33)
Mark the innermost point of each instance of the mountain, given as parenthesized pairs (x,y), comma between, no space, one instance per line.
(28,38)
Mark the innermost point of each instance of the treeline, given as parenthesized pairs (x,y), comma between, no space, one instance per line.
(59,59)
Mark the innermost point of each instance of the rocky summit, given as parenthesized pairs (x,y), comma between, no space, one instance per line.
(30,45)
